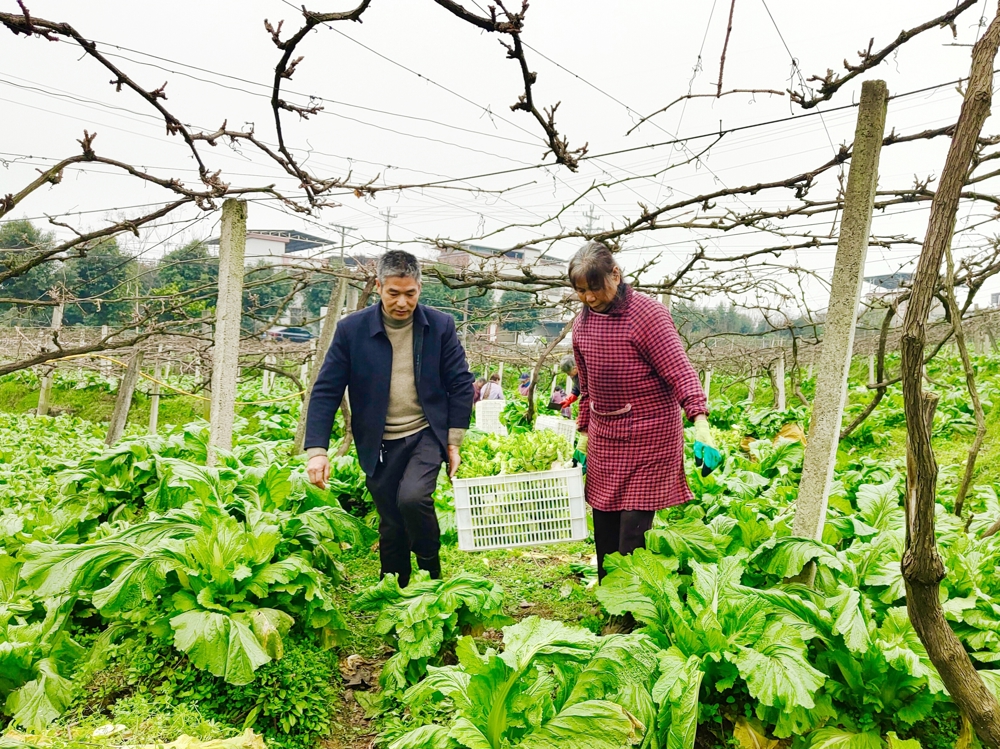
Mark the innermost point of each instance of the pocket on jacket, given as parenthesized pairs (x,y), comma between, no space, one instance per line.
(612,428)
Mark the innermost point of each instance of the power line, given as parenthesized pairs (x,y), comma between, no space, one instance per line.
(334,114)
(284,90)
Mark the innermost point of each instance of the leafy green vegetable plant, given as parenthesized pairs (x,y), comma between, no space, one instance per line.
(423,620)
(553,685)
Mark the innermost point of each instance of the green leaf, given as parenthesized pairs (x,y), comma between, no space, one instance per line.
(879,504)
(785,556)
(687,539)
(534,637)
(635,583)
(850,620)
(268,626)
(837,738)
(903,650)
(42,700)
(466,733)
(425,737)
(219,644)
(677,693)
(594,724)
(897,743)
(776,670)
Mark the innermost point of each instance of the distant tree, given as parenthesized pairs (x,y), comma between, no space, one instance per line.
(188,267)
(519,311)
(480,308)
(266,287)
(188,270)
(20,241)
(103,274)
(724,318)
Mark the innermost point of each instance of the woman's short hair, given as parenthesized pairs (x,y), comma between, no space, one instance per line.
(495,377)
(594,264)
(568,364)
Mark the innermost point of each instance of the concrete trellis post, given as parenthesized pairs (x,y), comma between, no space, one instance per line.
(309,363)
(707,382)
(838,336)
(229,310)
(752,387)
(45,389)
(665,298)
(871,369)
(119,417)
(267,379)
(778,380)
(334,312)
(154,396)
(105,364)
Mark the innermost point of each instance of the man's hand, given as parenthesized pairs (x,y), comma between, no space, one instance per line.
(454,460)
(318,469)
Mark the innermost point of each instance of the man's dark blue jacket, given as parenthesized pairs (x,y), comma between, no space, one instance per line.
(360,358)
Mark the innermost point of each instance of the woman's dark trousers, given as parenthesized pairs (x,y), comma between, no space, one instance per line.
(623,531)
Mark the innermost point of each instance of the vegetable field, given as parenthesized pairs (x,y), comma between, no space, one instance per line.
(143,593)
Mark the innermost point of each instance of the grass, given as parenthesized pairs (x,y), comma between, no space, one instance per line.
(96,404)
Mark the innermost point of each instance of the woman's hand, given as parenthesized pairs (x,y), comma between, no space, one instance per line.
(702,432)
(706,457)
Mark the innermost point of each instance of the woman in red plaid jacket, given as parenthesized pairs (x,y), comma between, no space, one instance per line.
(634,380)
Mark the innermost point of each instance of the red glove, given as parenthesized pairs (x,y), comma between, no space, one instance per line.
(570,400)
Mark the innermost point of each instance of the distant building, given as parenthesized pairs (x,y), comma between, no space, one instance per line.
(507,262)
(289,247)
(282,246)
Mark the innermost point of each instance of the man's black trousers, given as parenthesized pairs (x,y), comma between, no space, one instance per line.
(403,487)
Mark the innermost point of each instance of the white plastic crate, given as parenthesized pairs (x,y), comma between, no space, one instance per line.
(488,416)
(520,509)
(563,427)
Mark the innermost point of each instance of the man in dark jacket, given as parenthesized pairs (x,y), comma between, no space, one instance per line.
(411,401)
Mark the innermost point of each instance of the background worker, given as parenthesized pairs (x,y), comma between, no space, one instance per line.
(411,402)
(568,367)
(492,390)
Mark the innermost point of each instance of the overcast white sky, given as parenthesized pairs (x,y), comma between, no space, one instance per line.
(414,95)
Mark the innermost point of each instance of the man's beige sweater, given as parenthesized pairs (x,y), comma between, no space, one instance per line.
(405,415)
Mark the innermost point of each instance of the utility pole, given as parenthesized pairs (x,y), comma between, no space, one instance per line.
(590,216)
(388,216)
(343,237)
(838,336)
